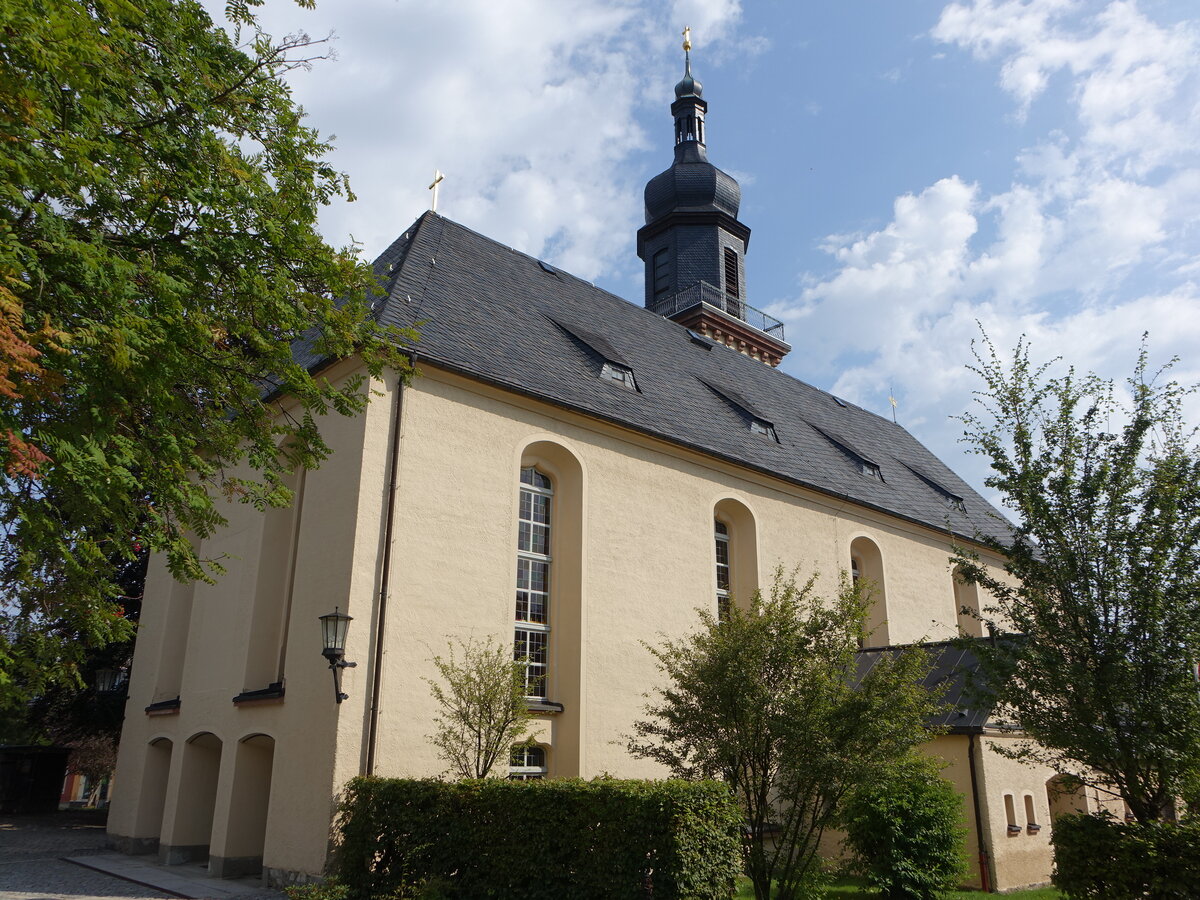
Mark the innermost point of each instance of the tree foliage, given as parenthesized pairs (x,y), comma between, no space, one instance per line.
(1103,574)
(158,261)
(769,700)
(484,712)
(906,831)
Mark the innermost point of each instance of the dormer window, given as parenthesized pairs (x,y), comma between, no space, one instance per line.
(864,465)
(949,497)
(759,426)
(622,375)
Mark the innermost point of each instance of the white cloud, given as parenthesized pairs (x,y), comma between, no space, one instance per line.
(527,107)
(1090,245)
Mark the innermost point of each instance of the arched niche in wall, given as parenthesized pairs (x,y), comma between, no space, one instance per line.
(742,534)
(564,601)
(269,615)
(966,606)
(866,567)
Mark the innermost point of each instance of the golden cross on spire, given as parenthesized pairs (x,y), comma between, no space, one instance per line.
(687,39)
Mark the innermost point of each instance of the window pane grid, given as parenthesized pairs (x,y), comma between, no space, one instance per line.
(531,636)
(721,537)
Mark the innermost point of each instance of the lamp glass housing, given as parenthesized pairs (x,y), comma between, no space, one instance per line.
(334,626)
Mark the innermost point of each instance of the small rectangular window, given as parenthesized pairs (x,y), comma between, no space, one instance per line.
(527,764)
(731,273)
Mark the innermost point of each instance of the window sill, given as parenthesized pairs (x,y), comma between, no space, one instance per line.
(272,693)
(164,708)
(543,706)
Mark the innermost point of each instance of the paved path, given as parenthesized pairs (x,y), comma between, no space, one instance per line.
(34,866)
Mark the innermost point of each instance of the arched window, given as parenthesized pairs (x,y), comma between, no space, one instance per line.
(532,635)
(966,606)
(866,566)
(527,763)
(721,535)
(736,554)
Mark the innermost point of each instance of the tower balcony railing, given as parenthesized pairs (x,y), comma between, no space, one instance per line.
(703,292)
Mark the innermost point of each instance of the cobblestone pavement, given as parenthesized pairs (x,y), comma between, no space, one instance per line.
(32,865)
(32,868)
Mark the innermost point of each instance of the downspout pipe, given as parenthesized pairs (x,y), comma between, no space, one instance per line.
(985,880)
(385,575)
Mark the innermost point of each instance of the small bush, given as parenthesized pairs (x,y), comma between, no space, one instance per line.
(906,831)
(1098,857)
(538,839)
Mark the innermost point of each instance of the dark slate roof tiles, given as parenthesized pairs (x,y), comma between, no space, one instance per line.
(489,312)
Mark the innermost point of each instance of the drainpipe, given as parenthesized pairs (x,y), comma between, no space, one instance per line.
(985,880)
(384,578)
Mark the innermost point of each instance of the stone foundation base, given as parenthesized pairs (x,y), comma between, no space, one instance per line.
(281,878)
(179,854)
(234,866)
(133,846)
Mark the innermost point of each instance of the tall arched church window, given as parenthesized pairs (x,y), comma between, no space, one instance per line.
(532,633)
(721,535)
(866,568)
(966,606)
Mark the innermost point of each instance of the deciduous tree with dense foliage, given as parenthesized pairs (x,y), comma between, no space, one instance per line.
(158,261)
(1102,590)
(906,830)
(769,700)
(484,712)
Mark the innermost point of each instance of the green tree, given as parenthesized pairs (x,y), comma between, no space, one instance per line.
(770,701)
(484,712)
(159,261)
(905,829)
(1102,591)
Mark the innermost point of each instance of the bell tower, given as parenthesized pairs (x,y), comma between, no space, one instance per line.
(693,245)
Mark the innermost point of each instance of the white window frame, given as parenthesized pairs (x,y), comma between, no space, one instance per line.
(721,538)
(525,629)
(528,770)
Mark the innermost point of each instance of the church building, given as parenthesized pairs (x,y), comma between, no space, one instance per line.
(571,472)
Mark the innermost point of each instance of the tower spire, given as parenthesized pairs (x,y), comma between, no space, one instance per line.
(693,244)
(689,106)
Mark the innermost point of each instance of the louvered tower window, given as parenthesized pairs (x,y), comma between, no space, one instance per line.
(731,273)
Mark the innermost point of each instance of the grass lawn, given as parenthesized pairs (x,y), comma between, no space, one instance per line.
(844,888)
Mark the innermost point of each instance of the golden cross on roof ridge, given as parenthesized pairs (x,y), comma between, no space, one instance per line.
(687,39)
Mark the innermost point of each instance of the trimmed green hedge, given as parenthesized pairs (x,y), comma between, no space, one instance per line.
(538,839)
(1109,860)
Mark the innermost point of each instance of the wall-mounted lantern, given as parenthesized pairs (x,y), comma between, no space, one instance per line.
(334,626)
(106,680)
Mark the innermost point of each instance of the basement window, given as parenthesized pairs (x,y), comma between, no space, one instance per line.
(622,375)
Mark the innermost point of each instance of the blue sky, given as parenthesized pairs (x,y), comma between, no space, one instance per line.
(907,168)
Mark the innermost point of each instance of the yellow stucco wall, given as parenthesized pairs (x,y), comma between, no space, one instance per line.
(632,560)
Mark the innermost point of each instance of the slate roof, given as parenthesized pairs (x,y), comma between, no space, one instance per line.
(496,315)
(953,664)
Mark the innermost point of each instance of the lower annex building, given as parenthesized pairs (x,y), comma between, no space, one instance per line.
(571,472)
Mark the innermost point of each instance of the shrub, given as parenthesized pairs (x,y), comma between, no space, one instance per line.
(1098,857)
(538,839)
(906,831)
